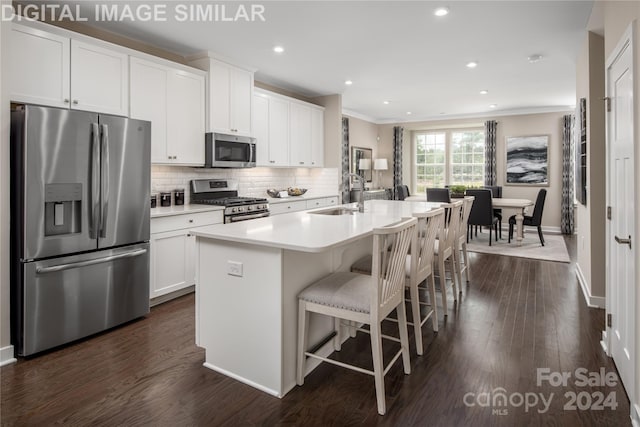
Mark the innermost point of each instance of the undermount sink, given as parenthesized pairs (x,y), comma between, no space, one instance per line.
(335,211)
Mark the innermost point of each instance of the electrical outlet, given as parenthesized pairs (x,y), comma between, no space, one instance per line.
(234,268)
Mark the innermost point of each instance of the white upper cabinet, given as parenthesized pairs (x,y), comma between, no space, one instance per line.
(317,137)
(230,96)
(240,101)
(271,129)
(231,92)
(57,71)
(278,132)
(99,79)
(173,99)
(260,127)
(300,135)
(31,52)
(186,117)
(288,132)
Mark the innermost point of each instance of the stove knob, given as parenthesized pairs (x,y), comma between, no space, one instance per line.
(250,208)
(233,209)
(240,209)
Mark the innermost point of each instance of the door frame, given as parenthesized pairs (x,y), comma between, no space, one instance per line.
(626,41)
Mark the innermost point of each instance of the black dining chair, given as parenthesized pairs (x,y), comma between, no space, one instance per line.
(482,212)
(496,192)
(402,192)
(534,220)
(441,195)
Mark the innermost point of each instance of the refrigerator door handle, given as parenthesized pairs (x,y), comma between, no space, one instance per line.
(95,182)
(105,180)
(62,267)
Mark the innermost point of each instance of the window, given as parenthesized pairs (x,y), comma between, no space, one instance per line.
(452,157)
(430,160)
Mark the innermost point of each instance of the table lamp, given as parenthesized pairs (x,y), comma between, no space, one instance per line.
(380,165)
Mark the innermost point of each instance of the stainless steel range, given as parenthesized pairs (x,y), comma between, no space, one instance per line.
(225,193)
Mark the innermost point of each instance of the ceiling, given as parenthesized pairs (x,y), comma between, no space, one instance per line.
(396,51)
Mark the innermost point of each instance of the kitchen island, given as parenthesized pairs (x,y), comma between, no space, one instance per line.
(248,276)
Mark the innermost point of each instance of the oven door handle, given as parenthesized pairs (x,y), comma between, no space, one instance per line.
(245,217)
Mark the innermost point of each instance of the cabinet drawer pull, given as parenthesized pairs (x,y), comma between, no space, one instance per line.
(272,161)
(302,163)
(66,100)
(75,102)
(190,221)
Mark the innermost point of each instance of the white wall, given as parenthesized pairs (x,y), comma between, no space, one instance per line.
(590,264)
(6,351)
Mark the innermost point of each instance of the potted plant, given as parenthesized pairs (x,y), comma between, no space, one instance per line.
(457,191)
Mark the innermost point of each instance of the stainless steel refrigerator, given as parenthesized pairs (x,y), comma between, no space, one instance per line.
(80,186)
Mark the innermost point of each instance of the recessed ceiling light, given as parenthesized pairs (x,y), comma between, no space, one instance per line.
(409,113)
(534,58)
(493,105)
(385,102)
(472,64)
(441,11)
(348,82)
(278,49)
(484,92)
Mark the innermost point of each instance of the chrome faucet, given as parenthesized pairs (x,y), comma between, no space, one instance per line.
(361,196)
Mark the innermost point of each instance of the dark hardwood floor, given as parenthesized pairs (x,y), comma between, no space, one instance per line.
(515,316)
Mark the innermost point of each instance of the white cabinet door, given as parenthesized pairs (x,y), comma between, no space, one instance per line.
(99,79)
(174,101)
(220,97)
(149,83)
(278,132)
(241,98)
(186,118)
(260,126)
(317,137)
(171,268)
(286,207)
(39,67)
(300,135)
(230,98)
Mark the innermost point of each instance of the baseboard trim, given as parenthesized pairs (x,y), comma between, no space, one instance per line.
(172,295)
(242,379)
(593,302)
(7,355)
(604,343)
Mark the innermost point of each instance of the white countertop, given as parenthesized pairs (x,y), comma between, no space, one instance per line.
(308,232)
(275,200)
(181,210)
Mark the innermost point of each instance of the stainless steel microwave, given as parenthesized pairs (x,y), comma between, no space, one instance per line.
(229,151)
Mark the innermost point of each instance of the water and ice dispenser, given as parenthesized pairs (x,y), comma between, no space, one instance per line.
(62,209)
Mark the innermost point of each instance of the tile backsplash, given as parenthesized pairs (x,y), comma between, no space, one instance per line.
(252,182)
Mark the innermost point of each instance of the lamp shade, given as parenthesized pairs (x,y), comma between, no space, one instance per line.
(364,164)
(380,164)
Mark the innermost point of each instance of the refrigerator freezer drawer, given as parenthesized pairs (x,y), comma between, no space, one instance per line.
(68,298)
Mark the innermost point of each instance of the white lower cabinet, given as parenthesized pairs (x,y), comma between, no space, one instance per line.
(173,250)
(319,203)
(286,207)
(301,205)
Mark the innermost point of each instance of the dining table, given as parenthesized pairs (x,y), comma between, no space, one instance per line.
(519,205)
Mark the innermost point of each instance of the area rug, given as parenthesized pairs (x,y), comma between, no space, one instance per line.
(554,248)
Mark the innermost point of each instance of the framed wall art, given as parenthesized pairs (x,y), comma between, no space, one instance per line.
(527,160)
